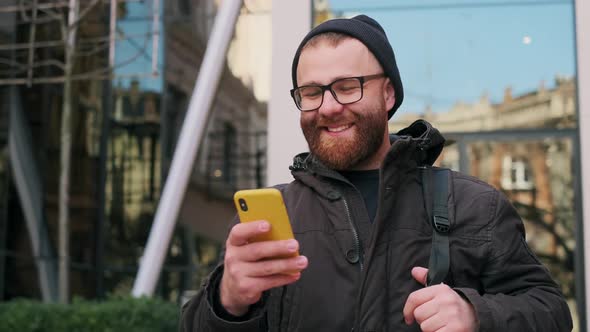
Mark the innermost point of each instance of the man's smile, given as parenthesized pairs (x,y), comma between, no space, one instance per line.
(336,129)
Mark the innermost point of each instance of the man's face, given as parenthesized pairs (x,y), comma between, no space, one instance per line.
(352,136)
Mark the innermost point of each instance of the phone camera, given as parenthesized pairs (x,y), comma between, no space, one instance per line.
(243,204)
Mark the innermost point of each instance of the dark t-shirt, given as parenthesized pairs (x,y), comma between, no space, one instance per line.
(367,183)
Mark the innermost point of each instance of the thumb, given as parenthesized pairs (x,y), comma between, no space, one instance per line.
(420,274)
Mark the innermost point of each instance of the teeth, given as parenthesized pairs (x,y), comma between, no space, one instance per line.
(338,129)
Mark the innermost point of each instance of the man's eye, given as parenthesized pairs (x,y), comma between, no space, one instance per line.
(346,85)
(311,93)
(347,88)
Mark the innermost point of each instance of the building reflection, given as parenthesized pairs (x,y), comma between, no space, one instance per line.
(524,146)
(541,108)
(124,139)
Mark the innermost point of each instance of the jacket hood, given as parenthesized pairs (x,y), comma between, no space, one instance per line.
(428,140)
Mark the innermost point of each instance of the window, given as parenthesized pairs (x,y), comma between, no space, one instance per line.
(516,174)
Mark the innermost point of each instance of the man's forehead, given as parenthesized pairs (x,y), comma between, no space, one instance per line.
(350,57)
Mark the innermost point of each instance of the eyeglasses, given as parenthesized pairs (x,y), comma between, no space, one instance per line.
(346,90)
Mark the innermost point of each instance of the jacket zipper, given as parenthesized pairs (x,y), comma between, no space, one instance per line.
(357,242)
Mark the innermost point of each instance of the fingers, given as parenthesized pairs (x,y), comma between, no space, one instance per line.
(244,269)
(420,274)
(278,266)
(426,316)
(251,268)
(257,259)
(415,300)
(260,250)
(243,282)
(439,308)
(433,323)
(424,311)
(242,232)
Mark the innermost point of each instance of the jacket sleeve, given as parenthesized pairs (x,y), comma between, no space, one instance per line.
(518,291)
(199,313)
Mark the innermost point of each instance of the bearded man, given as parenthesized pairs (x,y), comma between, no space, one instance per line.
(358,213)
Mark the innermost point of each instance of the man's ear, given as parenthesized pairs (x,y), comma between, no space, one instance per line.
(388,94)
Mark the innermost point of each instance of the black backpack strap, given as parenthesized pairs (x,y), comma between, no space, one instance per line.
(438,266)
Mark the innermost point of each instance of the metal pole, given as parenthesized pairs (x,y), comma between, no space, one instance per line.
(582,19)
(4,114)
(156,36)
(107,111)
(31,43)
(186,149)
(112,33)
(101,222)
(579,273)
(66,147)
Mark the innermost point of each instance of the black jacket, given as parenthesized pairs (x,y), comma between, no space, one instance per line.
(359,273)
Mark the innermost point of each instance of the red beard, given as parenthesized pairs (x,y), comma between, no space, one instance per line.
(343,153)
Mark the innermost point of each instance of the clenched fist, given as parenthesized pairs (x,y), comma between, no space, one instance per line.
(438,308)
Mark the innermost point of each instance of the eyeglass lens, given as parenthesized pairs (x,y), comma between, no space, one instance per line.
(345,91)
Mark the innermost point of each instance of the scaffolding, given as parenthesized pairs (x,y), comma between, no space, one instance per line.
(27,63)
(56,37)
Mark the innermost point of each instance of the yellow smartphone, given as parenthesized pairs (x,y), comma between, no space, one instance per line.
(265,204)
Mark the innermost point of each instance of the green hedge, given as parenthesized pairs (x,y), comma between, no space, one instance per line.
(112,315)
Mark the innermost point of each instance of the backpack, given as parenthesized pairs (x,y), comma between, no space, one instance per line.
(435,188)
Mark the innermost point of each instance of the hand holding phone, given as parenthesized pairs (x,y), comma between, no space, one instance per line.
(260,253)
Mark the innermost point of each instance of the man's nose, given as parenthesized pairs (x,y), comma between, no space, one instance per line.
(330,106)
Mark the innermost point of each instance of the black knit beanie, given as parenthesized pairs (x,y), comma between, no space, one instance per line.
(370,33)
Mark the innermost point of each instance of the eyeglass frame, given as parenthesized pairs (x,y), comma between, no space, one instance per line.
(362,80)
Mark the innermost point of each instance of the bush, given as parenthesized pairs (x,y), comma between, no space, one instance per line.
(112,315)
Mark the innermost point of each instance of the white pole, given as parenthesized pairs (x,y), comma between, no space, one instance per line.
(285,139)
(186,150)
(112,36)
(66,156)
(155,37)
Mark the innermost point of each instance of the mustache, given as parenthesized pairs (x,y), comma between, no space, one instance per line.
(344,121)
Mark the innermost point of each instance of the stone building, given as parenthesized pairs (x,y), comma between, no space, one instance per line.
(524,146)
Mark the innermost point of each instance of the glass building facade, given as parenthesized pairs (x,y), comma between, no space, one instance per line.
(500,84)
(134,65)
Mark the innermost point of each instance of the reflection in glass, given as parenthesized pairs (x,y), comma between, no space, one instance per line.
(468,75)
(537,176)
(463,71)
(125,123)
(539,108)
